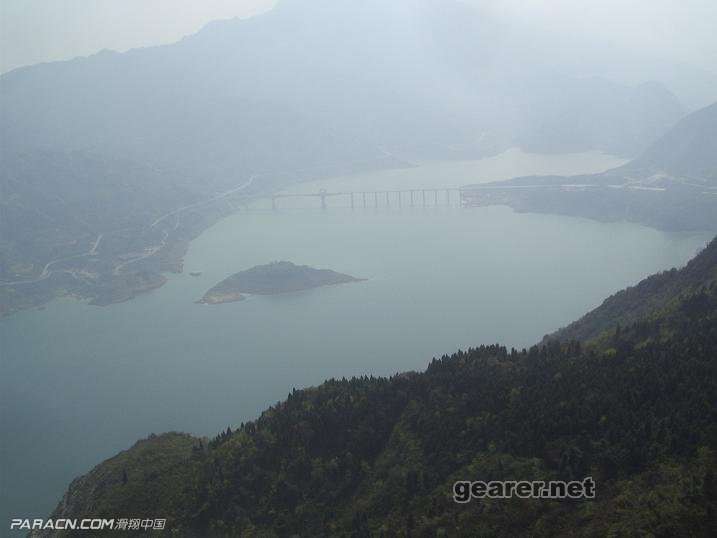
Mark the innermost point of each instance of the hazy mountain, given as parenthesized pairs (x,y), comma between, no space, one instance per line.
(378,457)
(672,185)
(312,88)
(689,149)
(314,83)
(593,113)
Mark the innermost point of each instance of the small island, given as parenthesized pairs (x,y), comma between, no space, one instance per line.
(272,279)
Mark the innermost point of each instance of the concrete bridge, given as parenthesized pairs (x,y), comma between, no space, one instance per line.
(382,198)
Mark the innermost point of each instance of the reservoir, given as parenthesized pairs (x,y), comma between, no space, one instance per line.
(81,383)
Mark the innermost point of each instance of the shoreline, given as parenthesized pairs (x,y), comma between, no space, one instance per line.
(243,295)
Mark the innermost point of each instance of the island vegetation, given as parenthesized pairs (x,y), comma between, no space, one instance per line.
(271,279)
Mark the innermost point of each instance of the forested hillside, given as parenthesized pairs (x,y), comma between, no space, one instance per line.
(378,457)
(653,296)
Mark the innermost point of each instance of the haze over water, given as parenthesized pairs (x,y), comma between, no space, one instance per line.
(82,382)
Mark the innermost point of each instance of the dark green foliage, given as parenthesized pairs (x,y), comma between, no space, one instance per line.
(138,481)
(378,457)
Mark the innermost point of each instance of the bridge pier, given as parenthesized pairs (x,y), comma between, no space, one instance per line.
(378,197)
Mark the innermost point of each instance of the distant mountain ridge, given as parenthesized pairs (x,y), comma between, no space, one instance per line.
(224,99)
(671,186)
(310,89)
(690,148)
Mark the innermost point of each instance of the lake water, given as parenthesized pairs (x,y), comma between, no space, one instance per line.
(79,383)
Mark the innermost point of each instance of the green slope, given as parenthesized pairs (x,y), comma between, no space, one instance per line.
(651,297)
(378,457)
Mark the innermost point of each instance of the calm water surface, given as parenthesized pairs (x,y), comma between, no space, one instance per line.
(80,383)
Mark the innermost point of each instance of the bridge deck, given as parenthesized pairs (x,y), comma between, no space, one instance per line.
(386,196)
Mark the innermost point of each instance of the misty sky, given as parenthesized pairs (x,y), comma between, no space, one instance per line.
(33,31)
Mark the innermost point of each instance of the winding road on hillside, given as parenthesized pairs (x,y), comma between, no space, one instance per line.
(150,251)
